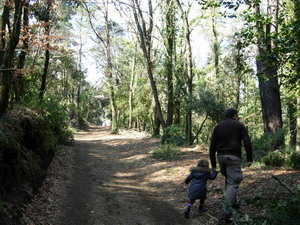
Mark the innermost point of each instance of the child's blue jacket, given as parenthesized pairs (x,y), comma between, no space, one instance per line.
(199,177)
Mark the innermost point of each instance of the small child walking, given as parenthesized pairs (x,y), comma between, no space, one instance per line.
(198,178)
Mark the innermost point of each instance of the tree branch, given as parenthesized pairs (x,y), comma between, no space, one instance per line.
(284,184)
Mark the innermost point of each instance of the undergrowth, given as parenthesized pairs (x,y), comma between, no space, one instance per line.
(166,152)
(266,151)
(286,210)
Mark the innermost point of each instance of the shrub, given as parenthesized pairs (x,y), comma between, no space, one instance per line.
(266,143)
(275,158)
(173,135)
(166,152)
(57,119)
(295,160)
(286,210)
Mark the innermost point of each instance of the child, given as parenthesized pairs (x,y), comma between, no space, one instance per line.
(197,190)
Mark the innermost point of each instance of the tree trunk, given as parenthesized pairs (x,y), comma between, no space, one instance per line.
(169,41)
(8,57)
(239,73)
(44,76)
(4,24)
(146,45)
(188,126)
(18,80)
(292,111)
(131,88)
(297,65)
(215,45)
(109,67)
(268,80)
(156,123)
(47,52)
(109,74)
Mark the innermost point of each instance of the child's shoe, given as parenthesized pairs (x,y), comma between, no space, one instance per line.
(187,212)
(202,208)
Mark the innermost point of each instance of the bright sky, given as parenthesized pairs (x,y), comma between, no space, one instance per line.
(199,39)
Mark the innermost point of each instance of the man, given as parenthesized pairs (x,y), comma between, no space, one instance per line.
(226,141)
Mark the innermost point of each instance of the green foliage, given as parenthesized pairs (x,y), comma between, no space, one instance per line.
(56,117)
(295,160)
(275,158)
(166,152)
(266,143)
(286,210)
(206,103)
(174,135)
(264,151)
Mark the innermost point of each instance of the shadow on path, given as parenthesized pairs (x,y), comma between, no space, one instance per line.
(110,183)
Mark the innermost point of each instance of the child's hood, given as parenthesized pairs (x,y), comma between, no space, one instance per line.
(200,169)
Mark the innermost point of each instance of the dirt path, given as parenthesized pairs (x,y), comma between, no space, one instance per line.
(111,179)
(110,183)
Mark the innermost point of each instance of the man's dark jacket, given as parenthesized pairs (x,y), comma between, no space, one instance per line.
(226,140)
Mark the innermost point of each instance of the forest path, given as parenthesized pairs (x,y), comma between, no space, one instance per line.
(107,179)
(111,182)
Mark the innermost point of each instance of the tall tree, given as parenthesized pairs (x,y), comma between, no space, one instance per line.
(294,105)
(169,36)
(8,57)
(46,17)
(5,27)
(145,38)
(18,79)
(105,37)
(189,71)
(132,86)
(267,67)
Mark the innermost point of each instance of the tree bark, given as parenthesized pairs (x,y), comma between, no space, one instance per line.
(8,57)
(4,24)
(18,81)
(146,45)
(267,77)
(189,83)
(169,44)
(47,51)
(215,44)
(297,65)
(131,88)
(292,110)
(109,73)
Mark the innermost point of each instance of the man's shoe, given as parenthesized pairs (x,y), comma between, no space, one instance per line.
(226,218)
(236,206)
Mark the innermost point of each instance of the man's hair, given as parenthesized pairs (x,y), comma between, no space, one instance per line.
(203,163)
(230,113)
